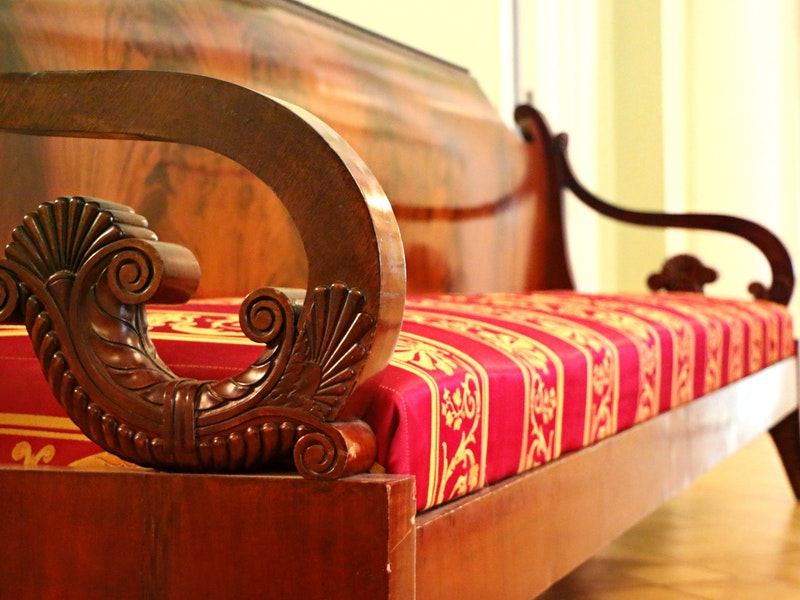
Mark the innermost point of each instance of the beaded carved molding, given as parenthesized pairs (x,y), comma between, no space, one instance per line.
(80,272)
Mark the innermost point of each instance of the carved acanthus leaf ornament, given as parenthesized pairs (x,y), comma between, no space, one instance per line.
(79,272)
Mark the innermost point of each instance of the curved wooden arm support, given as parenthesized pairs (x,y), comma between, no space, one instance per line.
(782,285)
(79,271)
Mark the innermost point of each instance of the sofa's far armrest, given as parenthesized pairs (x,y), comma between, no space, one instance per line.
(682,272)
(79,272)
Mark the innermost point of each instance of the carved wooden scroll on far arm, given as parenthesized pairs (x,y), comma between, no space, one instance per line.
(674,274)
(80,271)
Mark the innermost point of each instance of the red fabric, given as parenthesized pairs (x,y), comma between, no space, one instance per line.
(524,378)
(201,340)
(480,387)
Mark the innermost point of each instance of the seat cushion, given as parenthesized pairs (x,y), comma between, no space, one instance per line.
(480,387)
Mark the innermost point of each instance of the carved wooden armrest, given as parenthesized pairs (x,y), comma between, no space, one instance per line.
(677,273)
(79,272)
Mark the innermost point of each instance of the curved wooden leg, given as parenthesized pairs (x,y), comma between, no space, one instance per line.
(786,436)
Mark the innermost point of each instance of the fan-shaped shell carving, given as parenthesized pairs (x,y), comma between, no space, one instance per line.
(85,268)
(322,371)
(180,423)
(61,235)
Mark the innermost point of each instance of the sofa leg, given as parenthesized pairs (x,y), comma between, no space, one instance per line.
(786,436)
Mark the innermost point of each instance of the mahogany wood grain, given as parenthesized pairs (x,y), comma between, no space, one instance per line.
(346,328)
(422,125)
(140,534)
(416,121)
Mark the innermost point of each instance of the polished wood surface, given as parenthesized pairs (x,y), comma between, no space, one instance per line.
(786,436)
(136,534)
(682,273)
(81,272)
(549,266)
(422,125)
(416,121)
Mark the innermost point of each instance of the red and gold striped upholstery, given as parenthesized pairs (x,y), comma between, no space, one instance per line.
(480,387)
(484,387)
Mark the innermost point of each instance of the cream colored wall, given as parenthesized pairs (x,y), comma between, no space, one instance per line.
(676,104)
(564,55)
(636,111)
(670,104)
(742,123)
(474,35)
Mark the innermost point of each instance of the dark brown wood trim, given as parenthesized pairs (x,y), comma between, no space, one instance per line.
(80,271)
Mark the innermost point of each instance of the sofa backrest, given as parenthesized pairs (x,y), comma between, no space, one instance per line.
(454,171)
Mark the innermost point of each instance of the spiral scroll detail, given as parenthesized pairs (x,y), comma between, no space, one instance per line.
(83,298)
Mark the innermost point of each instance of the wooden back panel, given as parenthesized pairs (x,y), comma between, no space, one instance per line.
(452,169)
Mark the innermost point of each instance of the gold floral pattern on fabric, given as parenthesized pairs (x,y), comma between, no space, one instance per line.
(196,326)
(754,332)
(683,340)
(714,319)
(544,422)
(736,335)
(540,368)
(41,426)
(764,335)
(600,353)
(458,412)
(639,331)
(23,453)
(480,387)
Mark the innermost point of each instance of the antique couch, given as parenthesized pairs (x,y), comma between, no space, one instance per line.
(465,424)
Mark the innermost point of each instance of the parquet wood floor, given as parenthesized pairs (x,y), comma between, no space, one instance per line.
(734,535)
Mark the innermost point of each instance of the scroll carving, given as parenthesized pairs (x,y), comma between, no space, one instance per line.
(80,271)
(682,273)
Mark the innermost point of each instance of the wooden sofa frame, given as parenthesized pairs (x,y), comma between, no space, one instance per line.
(183,534)
(338,532)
